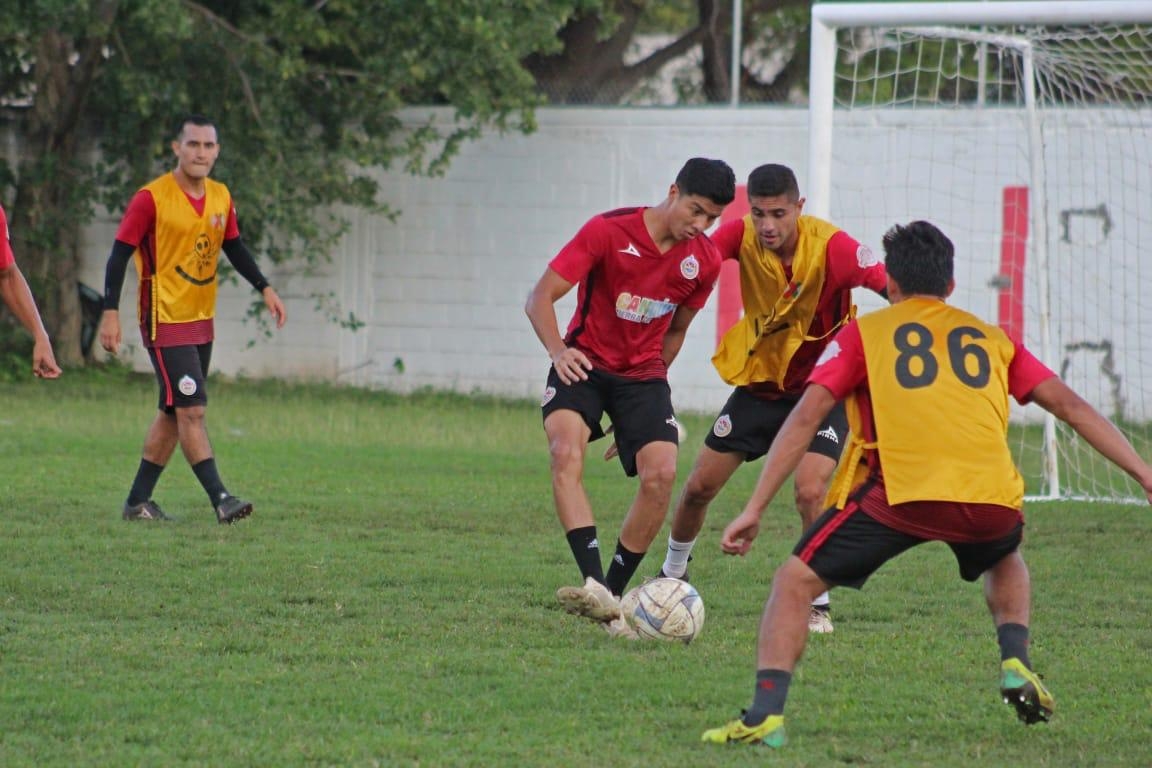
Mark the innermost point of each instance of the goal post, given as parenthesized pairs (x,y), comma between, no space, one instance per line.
(1024,130)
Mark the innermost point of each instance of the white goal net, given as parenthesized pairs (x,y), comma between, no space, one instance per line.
(1024,131)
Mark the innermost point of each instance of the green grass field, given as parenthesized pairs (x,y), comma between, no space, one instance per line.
(391,603)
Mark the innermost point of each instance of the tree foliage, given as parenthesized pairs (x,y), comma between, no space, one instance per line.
(305,95)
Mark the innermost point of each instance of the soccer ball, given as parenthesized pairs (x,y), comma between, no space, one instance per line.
(664,609)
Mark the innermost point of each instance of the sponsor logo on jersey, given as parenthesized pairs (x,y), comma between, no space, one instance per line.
(641,310)
(866,258)
(829,434)
(186,385)
(549,393)
(723,426)
(690,267)
(630,250)
(829,352)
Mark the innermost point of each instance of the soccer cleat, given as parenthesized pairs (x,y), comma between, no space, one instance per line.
(1021,687)
(145,510)
(230,509)
(592,601)
(820,620)
(769,733)
(620,628)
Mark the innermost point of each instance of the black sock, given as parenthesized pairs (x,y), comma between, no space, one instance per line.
(209,477)
(622,569)
(586,550)
(771,691)
(1013,639)
(146,478)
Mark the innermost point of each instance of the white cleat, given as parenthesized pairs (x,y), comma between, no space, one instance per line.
(819,622)
(592,601)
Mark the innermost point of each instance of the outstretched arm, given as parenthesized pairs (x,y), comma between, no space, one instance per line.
(1062,402)
(784,455)
(18,296)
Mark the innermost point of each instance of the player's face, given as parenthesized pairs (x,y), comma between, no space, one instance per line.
(692,215)
(196,150)
(775,221)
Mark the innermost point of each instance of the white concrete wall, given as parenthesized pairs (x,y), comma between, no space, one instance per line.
(442,289)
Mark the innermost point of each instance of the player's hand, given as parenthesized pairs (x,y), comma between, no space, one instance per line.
(110,331)
(613,451)
(740,533)
(275,306)
(44,361)
(571,365)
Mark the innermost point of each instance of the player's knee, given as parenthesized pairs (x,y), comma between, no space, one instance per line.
(698,493)
(809,499)
(658,478)
(566,455)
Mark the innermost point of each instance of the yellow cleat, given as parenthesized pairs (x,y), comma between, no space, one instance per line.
(1021,687)
(769,733)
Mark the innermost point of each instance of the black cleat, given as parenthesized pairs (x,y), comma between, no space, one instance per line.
(145,510)
(230,509)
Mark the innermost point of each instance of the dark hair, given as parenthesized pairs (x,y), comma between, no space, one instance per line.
(193,119)
(773,180)
(712,179)
(918,256)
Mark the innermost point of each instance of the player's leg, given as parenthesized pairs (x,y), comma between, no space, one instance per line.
(159,445)
(842,547)
(709,474)
(646,436)
(571,416)
(1008,593)
(811,480)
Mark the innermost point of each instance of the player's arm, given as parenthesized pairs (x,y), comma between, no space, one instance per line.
(1056,397)
(241,258)
(677,330)
(18,296)
(571,364)
(784,455)
(110,331)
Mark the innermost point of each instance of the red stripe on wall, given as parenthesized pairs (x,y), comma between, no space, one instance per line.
(1013,252)
(728,304)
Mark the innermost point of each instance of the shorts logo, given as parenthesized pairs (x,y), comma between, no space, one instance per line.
(690,268)
(187,386)
(549,393)
(723,426)
(829,434)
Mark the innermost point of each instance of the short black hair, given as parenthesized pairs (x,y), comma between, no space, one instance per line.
(773,180)
(919,257)
(712,179)
(193,119)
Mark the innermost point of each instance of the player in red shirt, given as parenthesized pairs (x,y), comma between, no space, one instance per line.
(643,274)
(798,269)
(16,294)
(927,388)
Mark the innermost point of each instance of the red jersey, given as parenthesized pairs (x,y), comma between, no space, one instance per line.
(848,265)
(629,290)
(6,257)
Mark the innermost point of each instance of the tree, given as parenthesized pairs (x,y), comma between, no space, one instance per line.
(305,96)
(595,65)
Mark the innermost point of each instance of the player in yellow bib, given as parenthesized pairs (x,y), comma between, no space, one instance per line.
(927,388)
(175,228)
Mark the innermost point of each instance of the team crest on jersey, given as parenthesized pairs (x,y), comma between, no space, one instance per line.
(549,393)
(187,386)
(723,426)
(690,267)
(829,353)
(866,258)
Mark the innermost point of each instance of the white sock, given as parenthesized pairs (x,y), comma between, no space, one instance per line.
(822,601)
(676,561)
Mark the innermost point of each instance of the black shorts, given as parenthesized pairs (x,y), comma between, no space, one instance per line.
(846,546)
(748,424)
(640,410)
(181,373)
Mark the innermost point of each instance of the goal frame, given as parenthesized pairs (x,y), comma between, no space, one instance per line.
(829,17)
